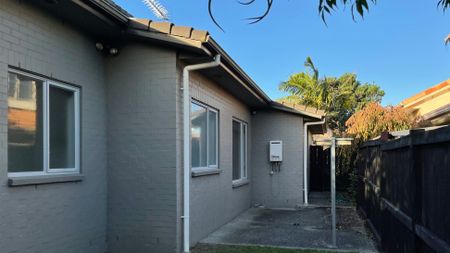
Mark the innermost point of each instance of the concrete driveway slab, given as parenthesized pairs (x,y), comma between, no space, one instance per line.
(303,228)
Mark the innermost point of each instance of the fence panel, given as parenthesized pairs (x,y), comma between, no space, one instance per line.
(404,190)
(435,195)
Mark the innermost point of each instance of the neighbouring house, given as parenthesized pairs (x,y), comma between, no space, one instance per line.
(431,105)
(92,147)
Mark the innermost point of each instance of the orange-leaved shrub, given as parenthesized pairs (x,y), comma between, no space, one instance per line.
(374,119)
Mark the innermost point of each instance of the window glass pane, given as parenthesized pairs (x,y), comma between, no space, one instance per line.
(62,128)
(25,91)
(25,124)
(212,138)
(198,133)
(236,150)
(244,150)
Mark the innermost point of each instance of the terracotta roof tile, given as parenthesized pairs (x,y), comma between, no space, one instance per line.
(164,27)
(183,31)
(169,29)
(199,35)
(140,23)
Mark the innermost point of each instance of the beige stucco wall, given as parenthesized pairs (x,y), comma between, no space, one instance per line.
(431,102)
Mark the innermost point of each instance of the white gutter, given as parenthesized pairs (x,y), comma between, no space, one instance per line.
(187,144)
(305,157)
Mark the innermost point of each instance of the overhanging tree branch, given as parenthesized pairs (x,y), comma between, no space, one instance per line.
(325,8)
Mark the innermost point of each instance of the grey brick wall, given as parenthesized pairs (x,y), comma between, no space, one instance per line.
(283,189)
(142,162)
(66,217)
(131,197)
(214,201)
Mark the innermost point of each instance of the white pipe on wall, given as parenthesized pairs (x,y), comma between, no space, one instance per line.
(305,158)
(187,144)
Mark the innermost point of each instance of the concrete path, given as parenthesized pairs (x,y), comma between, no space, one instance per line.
(323,199)
(303,228)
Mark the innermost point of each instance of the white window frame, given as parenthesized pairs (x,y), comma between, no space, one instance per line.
(46,170)
(243,156)
(208,109)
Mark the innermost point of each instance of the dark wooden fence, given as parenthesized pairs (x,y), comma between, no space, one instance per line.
(404,191)
(320,169)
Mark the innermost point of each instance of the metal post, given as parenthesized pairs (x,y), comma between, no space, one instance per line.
(333,191)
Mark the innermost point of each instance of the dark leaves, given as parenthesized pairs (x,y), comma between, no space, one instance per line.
(325,8)
(212,16)
(247,3)
(259,18)
(361,7)
(252,20)
(444,4)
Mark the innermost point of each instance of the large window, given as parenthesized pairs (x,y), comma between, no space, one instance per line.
(204,136)
(239,150)
(43,126)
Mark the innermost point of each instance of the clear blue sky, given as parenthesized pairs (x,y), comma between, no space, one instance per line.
(398,47)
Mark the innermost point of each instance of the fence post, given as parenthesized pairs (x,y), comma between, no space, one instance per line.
(417,188)
(333,191)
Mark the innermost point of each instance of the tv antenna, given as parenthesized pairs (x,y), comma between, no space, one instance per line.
(157,8)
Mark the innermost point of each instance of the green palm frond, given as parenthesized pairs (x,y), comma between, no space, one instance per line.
(340,96)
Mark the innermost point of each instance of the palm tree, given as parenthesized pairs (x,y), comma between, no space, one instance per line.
(305,87)
(340,96)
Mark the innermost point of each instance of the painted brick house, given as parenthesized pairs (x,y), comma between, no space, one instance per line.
(92,133)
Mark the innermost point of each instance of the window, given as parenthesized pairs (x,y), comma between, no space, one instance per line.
(204,136)
(239,150)
(43,126)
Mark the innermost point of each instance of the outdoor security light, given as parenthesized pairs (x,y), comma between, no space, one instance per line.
(113,51)
(99,46)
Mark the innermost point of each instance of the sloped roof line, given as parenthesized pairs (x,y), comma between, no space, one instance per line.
(299,109)
(169,29)
(200,37)
(203,36)
(187,35)
(426,92)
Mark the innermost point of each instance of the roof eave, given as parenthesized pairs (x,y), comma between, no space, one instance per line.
(180,43)
(291,110)
(113,10)
(207,46)
(212,44)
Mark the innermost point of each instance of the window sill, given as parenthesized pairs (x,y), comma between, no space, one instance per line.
(44,179)
(205,172)
(240,182)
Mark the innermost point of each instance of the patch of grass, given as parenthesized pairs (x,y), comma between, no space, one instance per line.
(250,249)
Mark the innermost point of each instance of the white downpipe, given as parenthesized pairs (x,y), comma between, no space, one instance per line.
(305,158)
(187,144)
